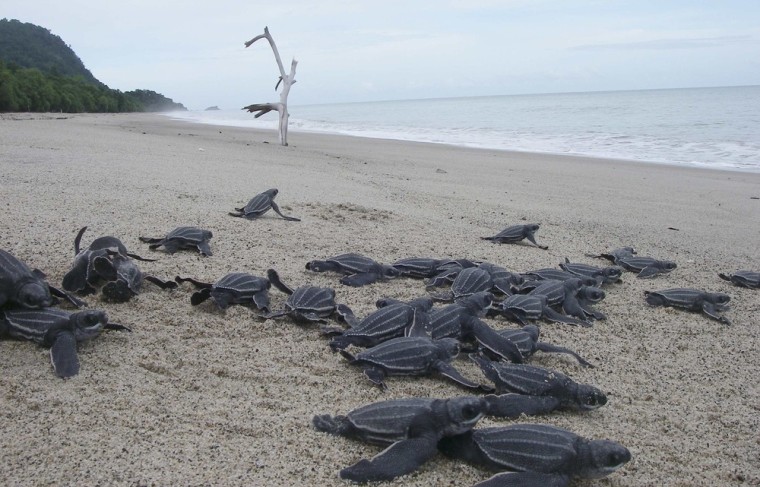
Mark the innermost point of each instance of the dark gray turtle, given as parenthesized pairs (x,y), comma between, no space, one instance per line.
(503,280)
(83,277)
(535,455)
(412,356)
(527,341)
(468,282)
(538,381)
(529,307)
(260,204)
(571,295)
(358,269)
(448,270)
(183,238)
(517,233)
(58,329)
(615,255)
(26,287)
(692,300)
(603,275)
(234,288)
(391,320)
(461,321)
(411,428)
(646,267)
(418,267)
(306,304)
(748,279)
(124,278)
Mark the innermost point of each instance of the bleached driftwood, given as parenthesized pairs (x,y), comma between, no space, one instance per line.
(287,81)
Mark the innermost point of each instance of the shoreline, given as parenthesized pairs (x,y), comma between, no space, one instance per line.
(196,396)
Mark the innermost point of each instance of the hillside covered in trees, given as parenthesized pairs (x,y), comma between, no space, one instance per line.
(40,73)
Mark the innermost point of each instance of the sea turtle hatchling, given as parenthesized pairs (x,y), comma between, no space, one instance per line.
(58,329)
(411,356)
(708,303)
(539,381)
(748,279)
(410,428)
(527,341)
(260,204)
(183,238)
(517,233)
(535,455)
(306,304)
(234,288)
(603,275)
(358,269)
(523,308)
(646,267)
(26,287)
(468,282)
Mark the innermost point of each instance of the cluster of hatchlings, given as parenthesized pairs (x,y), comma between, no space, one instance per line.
(412,338)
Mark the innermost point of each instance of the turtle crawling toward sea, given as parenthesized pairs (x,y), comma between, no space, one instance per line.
(306,304)
(535,455)
(260,204)
(234,288)
(358,269)
(412,427)
(517,233)
(748,279)
(183,238)
(708,303)
(26,287)
(57,329)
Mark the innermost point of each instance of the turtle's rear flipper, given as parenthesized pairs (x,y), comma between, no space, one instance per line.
(549,348)
(552,315)
(526,479)
(346,314)
(358,280)
(161,283)
(63,355)
(512,405)
(261,300)
(447,370)
(274,314)
(400,458)
(67,297)
(288,218)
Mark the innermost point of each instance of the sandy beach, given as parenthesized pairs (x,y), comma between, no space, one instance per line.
(194,396)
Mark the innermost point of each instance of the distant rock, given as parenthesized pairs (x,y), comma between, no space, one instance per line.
(212,108)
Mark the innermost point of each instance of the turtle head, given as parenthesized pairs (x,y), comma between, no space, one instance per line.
(589,397)
(272,192)
(450,346)
(720,299)
(33,294)
(88,324)
(668,265)
(390,272)
(533,227)
(533,331)
(612,273)
(478,303)
(603,458)
(463,414)
(592,294)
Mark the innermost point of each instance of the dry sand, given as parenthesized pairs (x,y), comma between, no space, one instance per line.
(194,396)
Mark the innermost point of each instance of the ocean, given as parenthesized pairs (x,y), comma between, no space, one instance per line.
(706,127)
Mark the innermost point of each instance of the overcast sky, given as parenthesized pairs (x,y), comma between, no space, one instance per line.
(193,52)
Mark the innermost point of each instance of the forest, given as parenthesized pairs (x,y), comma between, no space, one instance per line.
(40,73)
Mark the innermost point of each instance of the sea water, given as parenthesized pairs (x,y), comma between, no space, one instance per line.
(706,127)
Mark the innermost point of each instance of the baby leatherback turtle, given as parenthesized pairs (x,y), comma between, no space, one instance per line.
(411,428)
(603,275)
(692,300)
(391,320)
(234,288)
(183,238)
(26,287)
(57,329)
(527,341)
(517,233)
(538,381)
(306,304)
(748,279)
(523,308)
(647,267)
(535,455)
(412,356)
(260,204)
(358,269)
(468,282)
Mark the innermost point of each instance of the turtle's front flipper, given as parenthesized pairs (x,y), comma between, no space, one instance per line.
(274,278)
(67,297)
(196,283)
(151,240)
(447,370)
(552,315)
(137,257)
(598,315)
(358,280)
(288,218)
(76,279)
(489,339)
(709,310)
(200,296)
(513,405)
(205,249)
(161,283)
(526,479)
(400,458)
(63,355)
(549,348)
(375,375)
(116,327)
(532,240)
